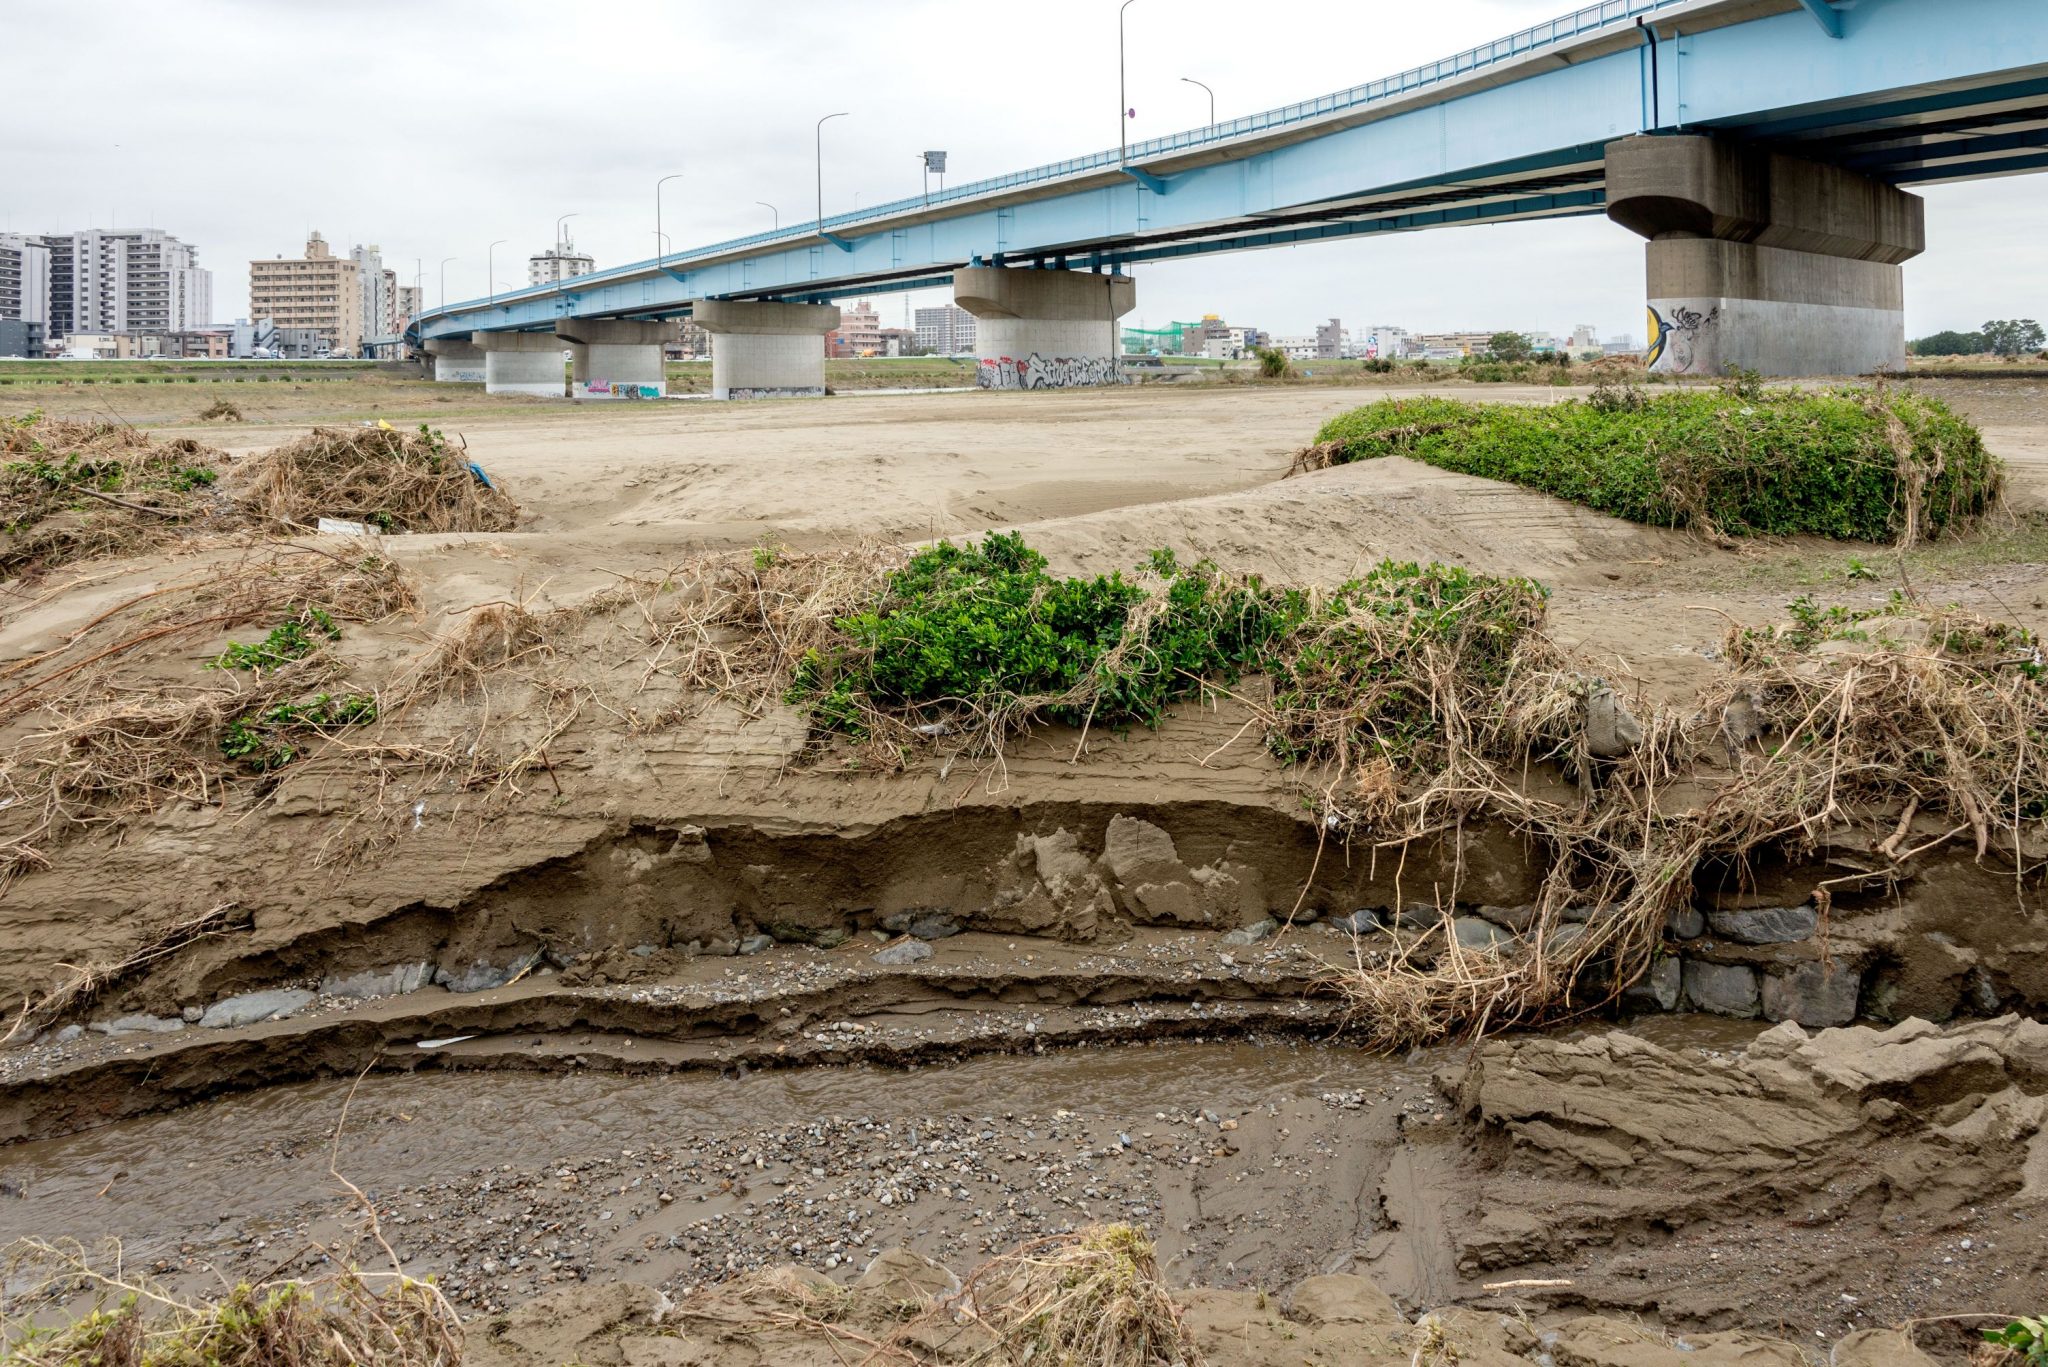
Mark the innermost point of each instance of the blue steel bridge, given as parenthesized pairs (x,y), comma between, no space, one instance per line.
(1786,134)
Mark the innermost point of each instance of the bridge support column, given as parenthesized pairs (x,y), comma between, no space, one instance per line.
(1045,329)
(616,360)
(1764,261)
(766,350)
(455,360)
(522,363)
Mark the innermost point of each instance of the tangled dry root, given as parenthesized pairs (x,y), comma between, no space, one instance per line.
(395,481)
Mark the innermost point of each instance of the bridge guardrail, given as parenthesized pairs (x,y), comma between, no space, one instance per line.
(1584,20)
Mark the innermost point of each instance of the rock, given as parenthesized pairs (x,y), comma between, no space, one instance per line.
(1517,919)
(384,982)
(1686,922)
(1474,933)
(67,1034)
(903,953)
(1611,731)
(643,951)
(755,944)
(1812,995)
(897,1274)
(483,975)
(829,938)
(1980,992)
(1563,938)
(936,925)
(1765,925)
(145,1024)
(191,1014)
(1343,1299)
(1656,990)
(1878,1348)
(1723,989)
(1419,916)
(1360,922)
(1252,934)
(251,1007)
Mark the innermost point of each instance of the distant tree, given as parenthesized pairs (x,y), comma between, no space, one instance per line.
(1951,344)
(2014,336)
(1509,346)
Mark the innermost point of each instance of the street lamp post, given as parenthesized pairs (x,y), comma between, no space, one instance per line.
(820,135)
(490,265)
(1123,107)
(1212,98)
(657,213)
(444,278)
(773,210)
(561,243)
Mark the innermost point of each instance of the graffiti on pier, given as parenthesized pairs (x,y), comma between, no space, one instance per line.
(618,389)
(1048,372)
(1683,344)
(773,392)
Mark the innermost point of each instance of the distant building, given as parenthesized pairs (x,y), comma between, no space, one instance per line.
(24,280)
(559,262)
(319,294)
(1583,337)
(692,343)
(246,338)
(1330,340)
(376,290)
(21,339)
(1299,348)
(405,307)
(137,280)
(1384,341)
(945,331)
(859,332)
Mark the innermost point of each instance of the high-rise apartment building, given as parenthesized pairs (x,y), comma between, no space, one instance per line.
(140,280)
(859,332)
(406,303)
(24,279)
(559,262)
(1329,340)
(945,331)
(378,289)
(319,293)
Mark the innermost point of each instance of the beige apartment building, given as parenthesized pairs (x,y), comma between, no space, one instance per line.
(320,291)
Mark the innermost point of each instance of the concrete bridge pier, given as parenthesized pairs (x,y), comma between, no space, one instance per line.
(611,359)
(455,360)
(766,350)
(521,363)
(1045,329)
(1765,261)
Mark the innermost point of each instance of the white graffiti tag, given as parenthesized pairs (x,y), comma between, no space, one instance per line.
(1048,372)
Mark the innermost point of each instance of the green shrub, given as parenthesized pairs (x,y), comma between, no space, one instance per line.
(1739,463)
(272,738)
(1273,362)
(982,629)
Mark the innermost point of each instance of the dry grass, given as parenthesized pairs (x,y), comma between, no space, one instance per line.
(1095,1296)
(108,729)
(220,410)
(72,490)
(393,480)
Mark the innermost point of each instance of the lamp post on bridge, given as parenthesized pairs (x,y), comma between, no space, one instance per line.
(444,278)
(1212,98)
(1123,109)
(657,213)
(490,267)
(773,210)
(820,135)
(562,243)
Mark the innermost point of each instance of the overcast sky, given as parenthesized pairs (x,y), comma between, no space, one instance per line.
(432,129)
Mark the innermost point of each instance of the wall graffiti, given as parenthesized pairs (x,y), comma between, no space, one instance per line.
(1683,344)
(774,392)
(1048,372)
(618,389)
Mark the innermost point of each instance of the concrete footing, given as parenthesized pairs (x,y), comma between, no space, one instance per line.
(1765,262)
(522,363)
(766,350)
(609,359)
(1045,329)
(454,360)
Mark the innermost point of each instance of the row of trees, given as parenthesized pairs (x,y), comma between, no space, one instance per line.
(2007,337)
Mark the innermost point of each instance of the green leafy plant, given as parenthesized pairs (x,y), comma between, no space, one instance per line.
(1855,464)
(2026,1336)
(288,641)
(270,739)
(1273,362)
